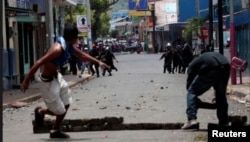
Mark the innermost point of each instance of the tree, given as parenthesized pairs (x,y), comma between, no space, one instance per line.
(100,23)
(114,33)
(99,16)
(72,12)
(194,27)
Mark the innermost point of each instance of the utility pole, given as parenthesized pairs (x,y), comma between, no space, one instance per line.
(211,44)
(49,23)
(198,8)
(1,51)
(232,41)
(89,23)
(220,27)
(153,36)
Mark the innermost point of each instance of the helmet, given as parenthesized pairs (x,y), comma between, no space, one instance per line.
(168,44)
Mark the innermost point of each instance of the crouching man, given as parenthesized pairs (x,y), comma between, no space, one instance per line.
(210,69)
(54,89)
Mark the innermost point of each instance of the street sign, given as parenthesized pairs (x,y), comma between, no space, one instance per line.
(160,28)
(82,23)
(203,33)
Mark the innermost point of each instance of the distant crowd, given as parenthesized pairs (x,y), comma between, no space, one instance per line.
(176,59)
(98,51)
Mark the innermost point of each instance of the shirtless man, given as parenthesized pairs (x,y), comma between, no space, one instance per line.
(55,90)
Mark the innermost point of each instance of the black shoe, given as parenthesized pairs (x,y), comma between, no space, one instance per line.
(59,134)
(110,74)
(39,117)
(97,75)
(205,105)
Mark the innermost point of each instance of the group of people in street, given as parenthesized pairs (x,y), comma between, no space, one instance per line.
(105,55)
(176,59)
(210,69)
(99,52)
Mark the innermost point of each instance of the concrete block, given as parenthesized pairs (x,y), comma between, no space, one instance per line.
(152,126)
(114,120)
(136,126)
(237,119)
(170,126)
(41,129)
(115,127)
(77,128)
(96,121)
(97,127)
(77,122)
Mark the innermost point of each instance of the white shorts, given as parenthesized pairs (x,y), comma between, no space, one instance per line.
(56,94)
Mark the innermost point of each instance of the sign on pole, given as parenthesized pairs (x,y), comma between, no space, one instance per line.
(204,33)
(82,23)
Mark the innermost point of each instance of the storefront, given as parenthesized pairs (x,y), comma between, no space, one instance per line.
(19,41)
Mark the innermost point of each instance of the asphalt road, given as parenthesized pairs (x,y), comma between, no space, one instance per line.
(139,92)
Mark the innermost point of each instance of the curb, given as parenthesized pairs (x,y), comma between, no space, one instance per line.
(116,123)
(36,97)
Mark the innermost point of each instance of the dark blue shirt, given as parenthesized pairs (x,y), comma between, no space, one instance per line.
(67,51)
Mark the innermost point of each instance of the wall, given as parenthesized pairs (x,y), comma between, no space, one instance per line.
(187,10)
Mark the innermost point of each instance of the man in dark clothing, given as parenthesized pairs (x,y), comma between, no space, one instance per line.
(187,56)
(110,57)
(94,53)
(210,69)
(106,57)
(156,47)
(73,62)
(168,57)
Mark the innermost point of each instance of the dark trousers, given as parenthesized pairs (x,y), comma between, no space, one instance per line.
(96,66)
(112,67)
(216,78)
(73,63)
(167,66)
(107,69)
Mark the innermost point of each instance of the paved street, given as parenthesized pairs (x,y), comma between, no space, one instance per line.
(139,92)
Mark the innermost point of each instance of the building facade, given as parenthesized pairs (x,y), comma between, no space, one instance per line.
(24,36)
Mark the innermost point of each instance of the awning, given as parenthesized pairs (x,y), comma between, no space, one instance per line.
(64,2)
(126,32)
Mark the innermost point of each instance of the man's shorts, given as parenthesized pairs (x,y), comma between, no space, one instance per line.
(56,94)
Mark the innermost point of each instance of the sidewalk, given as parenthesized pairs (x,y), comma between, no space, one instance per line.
(16,98)
(240,92)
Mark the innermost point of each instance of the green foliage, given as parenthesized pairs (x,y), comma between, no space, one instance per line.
(103,24)
(193,27)
(100,8)
(76,10)
(114,33)
(99,15)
